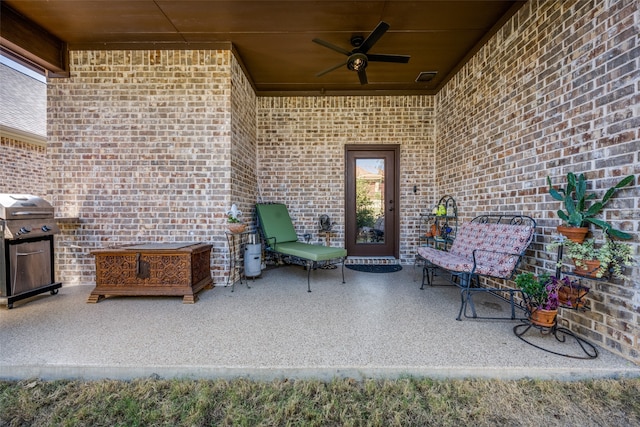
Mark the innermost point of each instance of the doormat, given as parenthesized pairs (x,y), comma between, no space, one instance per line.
(375,268)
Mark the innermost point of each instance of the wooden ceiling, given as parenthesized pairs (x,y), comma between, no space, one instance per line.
(272,38)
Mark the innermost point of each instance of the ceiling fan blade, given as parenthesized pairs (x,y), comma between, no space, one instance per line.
(373,37)
(335,67)
(362,74)
(332,46)
(402,59)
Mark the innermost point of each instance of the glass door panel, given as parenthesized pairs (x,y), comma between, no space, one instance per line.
(370,201)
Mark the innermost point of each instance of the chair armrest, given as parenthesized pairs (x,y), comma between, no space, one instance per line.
(270,242)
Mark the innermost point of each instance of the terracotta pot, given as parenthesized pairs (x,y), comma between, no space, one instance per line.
(589,268)
(236,227)
(434,230)
(542,317)
(575,234)
(572,296)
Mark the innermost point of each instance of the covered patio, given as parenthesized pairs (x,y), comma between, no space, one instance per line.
(375,325)
(149,143)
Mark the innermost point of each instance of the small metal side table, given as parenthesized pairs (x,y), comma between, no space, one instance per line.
(327,242)
(236,243)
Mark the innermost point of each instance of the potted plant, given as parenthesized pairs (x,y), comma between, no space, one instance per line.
(572,293)
(614,256)
(541,296)
(234,224)
(595,262)
(578,213)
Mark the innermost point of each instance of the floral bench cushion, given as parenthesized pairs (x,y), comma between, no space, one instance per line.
(497,249)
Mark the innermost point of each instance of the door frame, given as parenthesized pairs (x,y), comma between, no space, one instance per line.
(392,190)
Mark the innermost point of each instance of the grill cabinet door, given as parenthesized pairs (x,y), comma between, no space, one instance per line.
(30,264)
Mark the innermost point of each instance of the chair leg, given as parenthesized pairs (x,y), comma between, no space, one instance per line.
(427,273)
(465,296)
(513,302)
(310,265)
(343,271)
(462,305)
(470,295)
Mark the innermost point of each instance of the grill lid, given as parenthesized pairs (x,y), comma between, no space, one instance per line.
(24,206)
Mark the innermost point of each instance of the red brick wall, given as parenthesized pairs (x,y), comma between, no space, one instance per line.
(243,167)
(301,149)
(140,143)
(556,90)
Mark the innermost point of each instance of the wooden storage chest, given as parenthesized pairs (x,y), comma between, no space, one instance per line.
(173,269)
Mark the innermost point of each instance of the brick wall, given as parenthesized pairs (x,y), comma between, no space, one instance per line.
(301,150)
(140,146)
(243,155)
(156,145)
(556,90)
(24,167)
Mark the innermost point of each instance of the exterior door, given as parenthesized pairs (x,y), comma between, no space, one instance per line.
(372,220)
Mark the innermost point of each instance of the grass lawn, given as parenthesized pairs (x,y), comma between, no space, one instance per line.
(341,402)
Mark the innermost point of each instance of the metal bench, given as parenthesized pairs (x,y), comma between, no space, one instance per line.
(488,246)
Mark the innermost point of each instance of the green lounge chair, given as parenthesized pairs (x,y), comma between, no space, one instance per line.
(280,238)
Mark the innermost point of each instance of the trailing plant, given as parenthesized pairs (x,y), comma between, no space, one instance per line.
(613,255)
(572,288)
(577,211)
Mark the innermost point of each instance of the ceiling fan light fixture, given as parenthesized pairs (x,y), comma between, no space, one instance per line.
(357,62)
(426,76)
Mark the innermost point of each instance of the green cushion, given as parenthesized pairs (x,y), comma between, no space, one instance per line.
(276,223)
(310,252)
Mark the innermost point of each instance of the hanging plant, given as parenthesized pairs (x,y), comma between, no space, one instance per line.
(614,256)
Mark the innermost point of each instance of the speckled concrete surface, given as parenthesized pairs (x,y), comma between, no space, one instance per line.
(375,325)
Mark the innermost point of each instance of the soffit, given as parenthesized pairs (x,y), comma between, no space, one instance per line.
(273,39)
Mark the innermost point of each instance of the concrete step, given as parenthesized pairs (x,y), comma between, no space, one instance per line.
(372,260)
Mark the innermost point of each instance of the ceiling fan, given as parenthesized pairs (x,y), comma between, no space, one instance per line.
(358,58)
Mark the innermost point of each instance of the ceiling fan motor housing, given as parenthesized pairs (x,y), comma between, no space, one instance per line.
(357,62)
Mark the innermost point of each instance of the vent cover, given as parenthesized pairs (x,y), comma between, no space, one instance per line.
(426,76)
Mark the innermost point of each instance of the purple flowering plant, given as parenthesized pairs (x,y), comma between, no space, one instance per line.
(541,292)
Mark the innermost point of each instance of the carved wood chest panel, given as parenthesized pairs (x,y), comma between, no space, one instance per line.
(153,269)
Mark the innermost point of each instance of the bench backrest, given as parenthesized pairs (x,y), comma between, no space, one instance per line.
(497,245)
(275,223)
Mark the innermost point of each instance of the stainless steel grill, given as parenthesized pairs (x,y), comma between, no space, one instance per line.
(27,226)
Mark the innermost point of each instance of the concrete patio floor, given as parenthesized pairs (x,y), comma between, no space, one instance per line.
(375,325)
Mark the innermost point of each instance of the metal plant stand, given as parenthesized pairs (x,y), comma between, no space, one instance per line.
(561,334)
(446,227)
(236,243)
